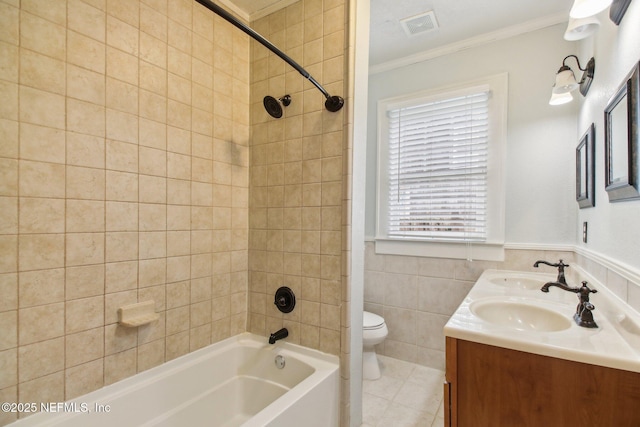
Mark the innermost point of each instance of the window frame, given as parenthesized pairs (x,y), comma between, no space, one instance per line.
(493,248)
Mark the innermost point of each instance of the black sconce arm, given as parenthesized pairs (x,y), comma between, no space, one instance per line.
(587,76)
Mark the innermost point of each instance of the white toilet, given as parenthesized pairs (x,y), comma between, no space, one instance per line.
(374,331)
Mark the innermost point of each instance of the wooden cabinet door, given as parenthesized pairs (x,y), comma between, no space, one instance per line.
(493,386)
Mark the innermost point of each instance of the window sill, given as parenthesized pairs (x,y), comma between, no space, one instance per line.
(475,251)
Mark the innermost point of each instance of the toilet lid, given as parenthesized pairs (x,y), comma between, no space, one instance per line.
(371,320)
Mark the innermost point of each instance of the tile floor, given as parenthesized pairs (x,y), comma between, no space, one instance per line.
(407,395)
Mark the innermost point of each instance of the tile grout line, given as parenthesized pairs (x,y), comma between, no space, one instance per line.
(405,378)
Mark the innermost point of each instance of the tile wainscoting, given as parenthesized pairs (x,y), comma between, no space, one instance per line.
(417,295)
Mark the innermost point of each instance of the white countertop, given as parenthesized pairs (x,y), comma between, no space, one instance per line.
(615,343)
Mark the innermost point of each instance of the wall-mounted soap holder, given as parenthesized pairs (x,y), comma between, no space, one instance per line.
(138,314)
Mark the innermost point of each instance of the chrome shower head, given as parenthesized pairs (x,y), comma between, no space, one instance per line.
(273,106)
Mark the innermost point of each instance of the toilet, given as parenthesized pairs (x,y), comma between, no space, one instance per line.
(374,331)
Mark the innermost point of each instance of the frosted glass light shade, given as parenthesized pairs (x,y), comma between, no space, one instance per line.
(584,8)
(565,81)
(560,98)
(579,29)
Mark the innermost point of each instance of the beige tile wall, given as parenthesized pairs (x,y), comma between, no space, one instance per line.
(124,159)
(299,185)
(296,184)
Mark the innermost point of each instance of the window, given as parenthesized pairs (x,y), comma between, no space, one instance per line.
(440,186)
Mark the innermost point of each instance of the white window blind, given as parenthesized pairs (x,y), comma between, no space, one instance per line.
(437,168)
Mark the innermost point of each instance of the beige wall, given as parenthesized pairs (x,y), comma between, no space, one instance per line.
(124,155)
(296,184)
(299,184)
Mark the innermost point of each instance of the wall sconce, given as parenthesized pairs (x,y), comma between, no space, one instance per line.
(560,98)
(582,28)
(585,8)
(582,22)
(566,81)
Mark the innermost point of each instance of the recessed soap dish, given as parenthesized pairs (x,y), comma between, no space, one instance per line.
(138,314)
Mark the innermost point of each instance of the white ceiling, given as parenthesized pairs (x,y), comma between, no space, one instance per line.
(461,23)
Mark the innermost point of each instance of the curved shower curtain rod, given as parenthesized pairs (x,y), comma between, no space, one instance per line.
(333,103)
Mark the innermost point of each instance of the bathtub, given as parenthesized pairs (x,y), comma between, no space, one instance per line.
(236,382)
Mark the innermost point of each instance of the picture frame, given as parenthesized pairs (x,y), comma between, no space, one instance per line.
(621,140)
(585,166)
(618,9)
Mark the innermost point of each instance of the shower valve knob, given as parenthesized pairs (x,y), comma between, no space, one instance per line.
(285,299)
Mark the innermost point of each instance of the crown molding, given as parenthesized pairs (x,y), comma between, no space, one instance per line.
(228,4)
(271,9)
(250,17)
(505,33)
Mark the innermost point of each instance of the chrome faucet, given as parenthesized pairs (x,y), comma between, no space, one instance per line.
(583,315)
(560,266)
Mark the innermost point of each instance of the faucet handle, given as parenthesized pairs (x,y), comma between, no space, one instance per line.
(586,290)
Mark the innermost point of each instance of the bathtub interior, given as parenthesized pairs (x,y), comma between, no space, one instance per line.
(226,384)
(229,405)
(261,364)
(252,382)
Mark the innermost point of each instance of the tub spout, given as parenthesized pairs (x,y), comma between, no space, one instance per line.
(278,335)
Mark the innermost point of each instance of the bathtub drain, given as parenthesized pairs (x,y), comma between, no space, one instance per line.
(280,362)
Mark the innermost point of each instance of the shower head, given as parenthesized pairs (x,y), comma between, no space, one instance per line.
(273,106)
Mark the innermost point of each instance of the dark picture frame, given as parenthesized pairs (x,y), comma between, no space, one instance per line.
(585,165)
(618,9)
(621,140)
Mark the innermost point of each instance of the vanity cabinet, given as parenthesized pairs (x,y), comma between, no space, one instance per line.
(498,387)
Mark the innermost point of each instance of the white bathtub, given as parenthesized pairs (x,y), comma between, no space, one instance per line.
(234,382)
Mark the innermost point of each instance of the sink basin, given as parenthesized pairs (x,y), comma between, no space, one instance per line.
(519,315)
(517,282)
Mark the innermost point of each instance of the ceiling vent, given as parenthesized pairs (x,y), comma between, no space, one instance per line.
(419,24)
